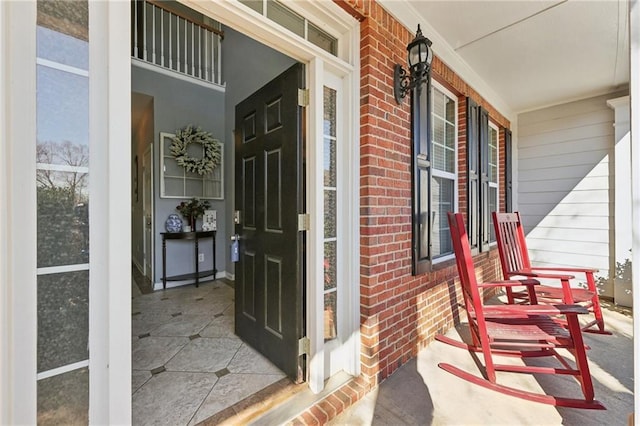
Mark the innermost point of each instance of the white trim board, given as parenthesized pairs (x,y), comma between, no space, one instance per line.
(109,234)
(634,24)
(18,324)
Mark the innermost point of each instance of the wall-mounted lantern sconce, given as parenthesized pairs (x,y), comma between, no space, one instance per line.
(419,59)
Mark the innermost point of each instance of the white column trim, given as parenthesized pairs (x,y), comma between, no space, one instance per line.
(622,198)
(352,182)
(109,207)
(634,38)
(315,236)
(5,302)
(18,321)
(119,142)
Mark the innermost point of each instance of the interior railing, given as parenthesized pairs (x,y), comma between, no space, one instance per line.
(174,41)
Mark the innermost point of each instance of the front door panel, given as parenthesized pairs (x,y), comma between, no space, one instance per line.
(269,195)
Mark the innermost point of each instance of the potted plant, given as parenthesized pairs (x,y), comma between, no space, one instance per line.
(192,210)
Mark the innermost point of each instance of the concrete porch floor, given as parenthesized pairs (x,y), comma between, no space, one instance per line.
(420,393)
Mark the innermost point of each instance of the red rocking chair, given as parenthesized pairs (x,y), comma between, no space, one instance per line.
(525,331)
(514,258)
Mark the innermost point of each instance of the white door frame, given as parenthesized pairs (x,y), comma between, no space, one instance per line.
(346,66)
(18,315)
(110,202)
(634,24)
(147,211)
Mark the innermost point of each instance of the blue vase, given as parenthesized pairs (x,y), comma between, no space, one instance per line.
(173,223)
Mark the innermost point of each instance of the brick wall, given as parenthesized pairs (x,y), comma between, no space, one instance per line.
(399,313)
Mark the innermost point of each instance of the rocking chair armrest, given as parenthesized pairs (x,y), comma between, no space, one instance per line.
(530,273)
(563,269)
(509,283)
(515,310)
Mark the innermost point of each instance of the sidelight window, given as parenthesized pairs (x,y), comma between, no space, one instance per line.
(62,182)
(330,215)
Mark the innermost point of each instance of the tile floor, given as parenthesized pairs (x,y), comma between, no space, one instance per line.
(187,363)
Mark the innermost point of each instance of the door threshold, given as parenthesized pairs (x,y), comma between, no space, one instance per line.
(301,401)
(276,404)
(256,405)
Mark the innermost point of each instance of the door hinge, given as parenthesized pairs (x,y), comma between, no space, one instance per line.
(303,97)
(304,221)
(304,346)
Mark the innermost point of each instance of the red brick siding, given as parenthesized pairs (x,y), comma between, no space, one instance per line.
(399,313)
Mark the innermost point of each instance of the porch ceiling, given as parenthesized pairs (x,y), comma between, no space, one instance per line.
(531,53)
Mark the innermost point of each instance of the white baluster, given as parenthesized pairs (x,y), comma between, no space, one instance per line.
(153,34)
(144,31)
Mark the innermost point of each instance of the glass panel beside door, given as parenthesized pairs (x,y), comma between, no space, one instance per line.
(62,177)
(330,217)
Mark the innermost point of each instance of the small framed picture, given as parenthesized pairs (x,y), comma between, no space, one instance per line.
(209,220)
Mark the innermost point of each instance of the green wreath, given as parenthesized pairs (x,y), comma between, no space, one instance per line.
(188,135)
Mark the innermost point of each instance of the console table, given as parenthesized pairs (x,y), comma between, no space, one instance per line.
(195,236)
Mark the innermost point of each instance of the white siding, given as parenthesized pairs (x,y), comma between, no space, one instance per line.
(566,184)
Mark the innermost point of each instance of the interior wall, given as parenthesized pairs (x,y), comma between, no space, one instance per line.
(178,103)
(142,129)
(566,184)
(247,65)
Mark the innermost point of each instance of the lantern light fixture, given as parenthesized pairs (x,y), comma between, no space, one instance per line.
(419,58)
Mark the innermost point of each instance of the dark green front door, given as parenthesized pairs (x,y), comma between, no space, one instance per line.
(269,184)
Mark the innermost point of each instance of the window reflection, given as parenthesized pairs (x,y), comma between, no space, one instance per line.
(330,279)
(62,111)
(443,180)
(62,48)
(62,178)
(330,214)
(63,319)
(63,218)
(330,316)
(69,390)
(493,177)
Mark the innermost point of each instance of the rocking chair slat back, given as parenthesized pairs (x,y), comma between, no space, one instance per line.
(510,239)
(514,260)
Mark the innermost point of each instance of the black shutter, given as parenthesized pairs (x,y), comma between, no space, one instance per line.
(421,179)
(484,179)
(508,195)
(473,173)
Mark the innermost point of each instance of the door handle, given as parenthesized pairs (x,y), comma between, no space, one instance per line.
(235,237)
